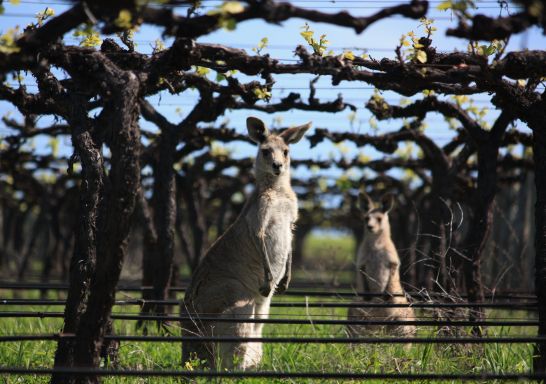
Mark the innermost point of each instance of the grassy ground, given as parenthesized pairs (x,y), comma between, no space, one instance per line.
(282,357)
(328,258)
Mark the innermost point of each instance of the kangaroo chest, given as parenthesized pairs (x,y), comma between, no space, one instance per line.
(374,262)
(271,218)
(278,234)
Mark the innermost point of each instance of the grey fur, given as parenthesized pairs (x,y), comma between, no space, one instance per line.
(239,272)
(378,271)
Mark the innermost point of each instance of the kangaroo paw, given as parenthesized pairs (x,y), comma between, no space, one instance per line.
(282,286)
(266,288)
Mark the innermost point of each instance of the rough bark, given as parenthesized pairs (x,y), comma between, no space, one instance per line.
(149,244)
(115,218)
(539,152)
(83,259)
(480,227)
(164,217)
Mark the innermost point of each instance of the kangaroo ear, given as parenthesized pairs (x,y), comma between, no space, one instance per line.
(257,131)
(294,134)
(365,202)
(387,202)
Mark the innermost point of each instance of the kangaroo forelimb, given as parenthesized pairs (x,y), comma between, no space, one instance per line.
(283,284)
(265,288)
(259,243)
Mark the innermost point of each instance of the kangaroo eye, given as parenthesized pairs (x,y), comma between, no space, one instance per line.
(265,152)
(285,152)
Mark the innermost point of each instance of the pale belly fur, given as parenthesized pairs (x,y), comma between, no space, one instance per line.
(376,269)
(278,239)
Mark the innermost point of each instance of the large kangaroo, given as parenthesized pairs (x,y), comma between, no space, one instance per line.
(239,273)
(378,271)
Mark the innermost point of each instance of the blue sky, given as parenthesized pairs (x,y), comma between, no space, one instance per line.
(378,41)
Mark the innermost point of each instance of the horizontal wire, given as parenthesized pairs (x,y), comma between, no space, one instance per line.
(396,376)
(409,305)
(323,316)
(273,47)
(298,340)
(64,286)
(511,7)
(332,88)
(60,2)
(205,319)
(140,302)
(279,88)
(292,304)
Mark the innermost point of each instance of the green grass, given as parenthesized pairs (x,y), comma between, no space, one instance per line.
(328,258)
(329,251)
(331,261)
(283,357)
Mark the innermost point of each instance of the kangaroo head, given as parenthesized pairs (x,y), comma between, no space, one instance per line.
(376,216)
(273,155)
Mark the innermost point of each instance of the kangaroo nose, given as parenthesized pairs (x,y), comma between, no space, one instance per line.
(277,166)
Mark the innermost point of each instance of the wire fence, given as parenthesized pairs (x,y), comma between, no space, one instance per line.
(277,375)
(326,298)
(293,304)
(314,289)
(292,340)
(208,319)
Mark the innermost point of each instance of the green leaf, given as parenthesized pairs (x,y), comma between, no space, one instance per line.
(307,35)
(362,158)
(201,71)
(263,43)
(227,8)
(90,36)
(42,16)
(229,24)
(232,7)
(92,40)
(373,123)
(348,55)
(124,19)
(444,6)
(344,183)
(7,41)
(54,144)
(421,56)
(262,93)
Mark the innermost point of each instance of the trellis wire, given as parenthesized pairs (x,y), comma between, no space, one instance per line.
(333,293)
(310,316)
(293,304)
(274,374)
(207,319)
(296,340)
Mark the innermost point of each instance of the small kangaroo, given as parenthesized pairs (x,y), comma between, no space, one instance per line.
(239,273)
(378,270)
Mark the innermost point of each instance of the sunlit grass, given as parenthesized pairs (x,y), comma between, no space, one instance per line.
(383,358)
(333,258)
